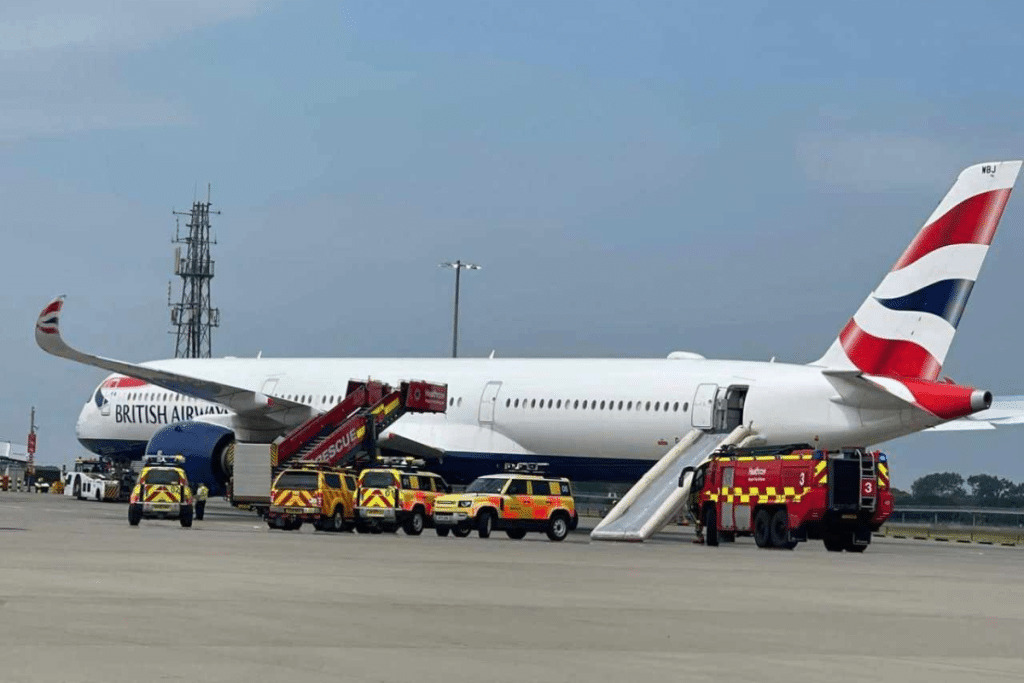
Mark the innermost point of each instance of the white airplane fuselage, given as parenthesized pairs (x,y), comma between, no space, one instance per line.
(513,410)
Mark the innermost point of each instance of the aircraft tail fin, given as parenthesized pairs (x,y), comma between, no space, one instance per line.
(905,327)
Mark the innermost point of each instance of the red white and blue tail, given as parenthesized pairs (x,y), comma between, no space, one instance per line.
(905,327)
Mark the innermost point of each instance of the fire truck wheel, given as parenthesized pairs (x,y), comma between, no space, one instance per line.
(461,531)
(134,514)
(832,543)
(186,516)
(442,530)
(762,529)
(484,524)
(295,526)
(780,530)
(376,529)
(362,528)
(516,534)
(414,525)
(710,527)
(854,548)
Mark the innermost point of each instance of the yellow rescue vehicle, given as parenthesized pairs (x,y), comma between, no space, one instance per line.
(162,492)
(514,503)
(325,497)
(399,495)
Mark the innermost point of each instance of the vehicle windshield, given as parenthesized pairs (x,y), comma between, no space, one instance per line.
(378,480)
(486,486)
(162,477)
(298,481)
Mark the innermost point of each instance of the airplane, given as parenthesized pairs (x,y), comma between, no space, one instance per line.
(594,419)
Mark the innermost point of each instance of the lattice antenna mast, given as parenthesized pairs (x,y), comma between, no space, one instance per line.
(194,315)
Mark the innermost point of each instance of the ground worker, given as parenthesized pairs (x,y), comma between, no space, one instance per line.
(201,493)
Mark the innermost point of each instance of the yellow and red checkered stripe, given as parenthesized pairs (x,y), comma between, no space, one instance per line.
(754,494)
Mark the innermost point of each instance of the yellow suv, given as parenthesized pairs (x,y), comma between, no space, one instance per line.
(162,491)
(325,497)
(404,496)
(515,503)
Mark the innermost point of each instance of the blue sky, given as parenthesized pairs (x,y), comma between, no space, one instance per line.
(636,178)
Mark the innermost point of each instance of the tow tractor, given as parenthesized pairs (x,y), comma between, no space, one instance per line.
(784,495)
(99,479)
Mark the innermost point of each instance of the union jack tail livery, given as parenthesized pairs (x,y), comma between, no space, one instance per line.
(904,328)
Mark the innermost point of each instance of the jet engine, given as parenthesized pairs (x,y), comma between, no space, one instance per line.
(207,450)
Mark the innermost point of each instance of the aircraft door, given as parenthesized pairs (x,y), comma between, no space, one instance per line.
(488,402)
(702,415)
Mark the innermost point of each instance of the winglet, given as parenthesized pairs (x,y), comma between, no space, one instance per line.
(48,329)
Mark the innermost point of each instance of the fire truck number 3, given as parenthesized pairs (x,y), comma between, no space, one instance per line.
(868,487)
(803,478)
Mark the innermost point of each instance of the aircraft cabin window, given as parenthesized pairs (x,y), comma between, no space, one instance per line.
(675,407)
(559,405)
(629,406)
(686,406)
(576,404)
(620,405)
(648,405)
(657,406)
(533,403)
(459,402)
(516,404)
(550,402)
(602,405)
(508,402)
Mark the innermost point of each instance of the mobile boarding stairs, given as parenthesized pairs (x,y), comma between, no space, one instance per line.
(658,497)
(346,434)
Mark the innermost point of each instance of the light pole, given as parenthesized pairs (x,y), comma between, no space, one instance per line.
(458,267)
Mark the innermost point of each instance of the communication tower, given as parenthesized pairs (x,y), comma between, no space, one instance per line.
(194,316)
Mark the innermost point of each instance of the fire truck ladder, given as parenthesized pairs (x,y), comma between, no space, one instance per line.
(347,433)
(658,497)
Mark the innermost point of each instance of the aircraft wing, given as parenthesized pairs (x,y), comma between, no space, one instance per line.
(1005,411)
(246,403)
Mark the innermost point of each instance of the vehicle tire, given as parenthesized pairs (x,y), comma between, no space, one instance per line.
(362,528)
(376,529)
(134,514)
(414,524)
(296,525)
(271,525)
(442,530)
(461,531)
(558,527)
(186,516)
(485,523)
(337,523)
(854,548)
(834,542)
(780,530)
(710,527)
(516,534)
(763,529)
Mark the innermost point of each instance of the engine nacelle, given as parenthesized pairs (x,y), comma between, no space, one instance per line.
(206,450)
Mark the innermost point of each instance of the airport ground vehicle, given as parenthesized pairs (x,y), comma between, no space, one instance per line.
(162,491)
(98,479)
(399,495)
(784,495)
(514,503)
(322,496)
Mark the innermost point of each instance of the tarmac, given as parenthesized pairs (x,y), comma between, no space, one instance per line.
(84,597)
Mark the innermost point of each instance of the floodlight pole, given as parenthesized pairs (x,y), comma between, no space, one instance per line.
(458,267)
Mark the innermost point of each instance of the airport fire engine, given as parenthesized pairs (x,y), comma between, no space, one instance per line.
(782,496)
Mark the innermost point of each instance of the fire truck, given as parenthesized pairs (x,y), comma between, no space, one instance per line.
(784,495)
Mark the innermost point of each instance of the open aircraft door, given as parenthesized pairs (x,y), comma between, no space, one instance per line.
(488,402)
(702,415)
